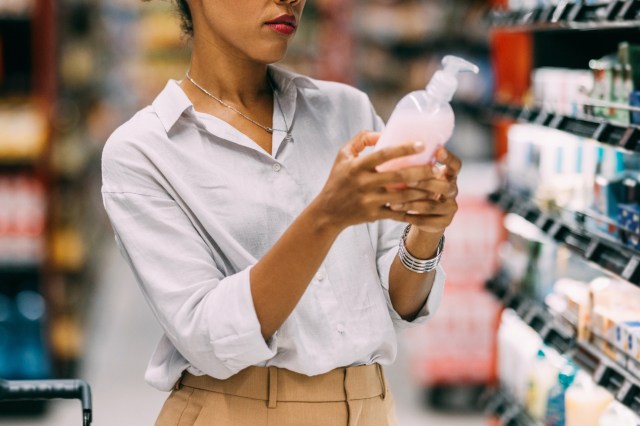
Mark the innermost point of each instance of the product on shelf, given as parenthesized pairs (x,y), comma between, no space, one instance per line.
(22,348)
(572,173)
(22,220)
(585,403)
(556,408)
(604,91)
(517,348)
(570,299)
(614,307)
(541,379)
(23,131)
(617,414)
(68,249)
(16,7)
(561,90)
(557,392)
(567,175)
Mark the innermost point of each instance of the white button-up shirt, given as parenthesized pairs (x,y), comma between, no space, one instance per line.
(194,204)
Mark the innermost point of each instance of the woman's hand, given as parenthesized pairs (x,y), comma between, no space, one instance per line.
(356,193)
(435,211)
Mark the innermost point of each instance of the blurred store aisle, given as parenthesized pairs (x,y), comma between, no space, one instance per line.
(122,335)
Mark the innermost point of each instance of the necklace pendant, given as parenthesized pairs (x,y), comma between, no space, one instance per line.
(288,138)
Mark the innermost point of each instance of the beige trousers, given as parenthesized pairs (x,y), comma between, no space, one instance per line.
(256,396)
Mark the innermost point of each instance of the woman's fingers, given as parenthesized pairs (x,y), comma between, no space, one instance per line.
(410,176)
(414,179)
(426,207)
(451,162)
(428,223)
(383,198)
(359,143)
(371,161)
(422,177)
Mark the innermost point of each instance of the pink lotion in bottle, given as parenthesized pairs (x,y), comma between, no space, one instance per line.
(424,116)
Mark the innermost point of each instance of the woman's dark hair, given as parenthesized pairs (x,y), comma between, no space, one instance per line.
(185,17)
(186,22)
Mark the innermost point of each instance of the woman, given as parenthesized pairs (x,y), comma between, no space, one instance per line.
(261,242)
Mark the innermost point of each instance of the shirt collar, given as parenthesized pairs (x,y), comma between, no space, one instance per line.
(172,102)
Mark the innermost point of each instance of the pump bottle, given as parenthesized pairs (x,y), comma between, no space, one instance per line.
(424,116)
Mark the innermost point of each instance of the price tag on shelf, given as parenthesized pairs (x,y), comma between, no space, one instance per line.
(631,272)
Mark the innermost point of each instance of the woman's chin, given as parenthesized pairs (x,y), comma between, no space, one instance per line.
(270,54)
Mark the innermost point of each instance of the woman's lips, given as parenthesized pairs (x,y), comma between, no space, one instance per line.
(282,28)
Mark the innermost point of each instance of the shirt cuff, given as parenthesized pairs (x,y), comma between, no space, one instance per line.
(237,339)
(431,304)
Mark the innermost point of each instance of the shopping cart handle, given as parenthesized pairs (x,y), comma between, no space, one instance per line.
(49,389)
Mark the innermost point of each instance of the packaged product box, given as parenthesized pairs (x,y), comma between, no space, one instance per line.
(629,219)
(578,310)
(570,298)
(624,336)
(633,350)
(596,324)
(609,322)
(616,325)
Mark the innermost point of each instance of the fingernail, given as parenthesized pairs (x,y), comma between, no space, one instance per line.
(418,146)
(443,155)
(397,206)
(436,170)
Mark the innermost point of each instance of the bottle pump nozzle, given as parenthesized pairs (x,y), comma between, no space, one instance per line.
(444,83)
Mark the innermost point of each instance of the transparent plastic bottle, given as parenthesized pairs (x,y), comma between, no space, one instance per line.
(425,116)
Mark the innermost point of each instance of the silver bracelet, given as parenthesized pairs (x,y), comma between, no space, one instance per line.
(419,266)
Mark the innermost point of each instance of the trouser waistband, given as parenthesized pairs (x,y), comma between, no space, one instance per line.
(275,384)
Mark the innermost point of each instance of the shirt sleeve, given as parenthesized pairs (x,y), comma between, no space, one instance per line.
(210,318)
(386,237)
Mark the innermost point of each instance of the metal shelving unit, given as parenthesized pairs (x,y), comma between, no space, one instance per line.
(571,16)
(559,332)
(602,251)
(624,137)
(500,404)
(548,37)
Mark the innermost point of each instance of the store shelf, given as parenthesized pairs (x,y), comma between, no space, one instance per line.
(14,18)
(559,333)
(601,251)
(20,267)
(572,16)
(430,44)
(500,403)
(19,166)
(623,137)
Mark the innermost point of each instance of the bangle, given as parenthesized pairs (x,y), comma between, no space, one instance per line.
(419,266)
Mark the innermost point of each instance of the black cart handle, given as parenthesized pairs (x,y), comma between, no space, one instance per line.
(49,389)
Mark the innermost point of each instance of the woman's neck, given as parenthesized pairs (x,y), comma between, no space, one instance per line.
(236,80)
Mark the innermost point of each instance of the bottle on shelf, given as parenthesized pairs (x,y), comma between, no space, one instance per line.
(425,114)
(585,403)
(617,414)
(541,379)
(555,415)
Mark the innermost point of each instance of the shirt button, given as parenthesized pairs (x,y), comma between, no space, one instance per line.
(341,328)
(276,167)
(320,276)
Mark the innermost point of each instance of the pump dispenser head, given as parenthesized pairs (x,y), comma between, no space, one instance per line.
(444,83)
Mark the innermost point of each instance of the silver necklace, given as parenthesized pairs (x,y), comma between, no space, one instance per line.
(269,130)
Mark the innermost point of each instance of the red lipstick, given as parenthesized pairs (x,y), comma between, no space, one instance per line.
(285,24)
